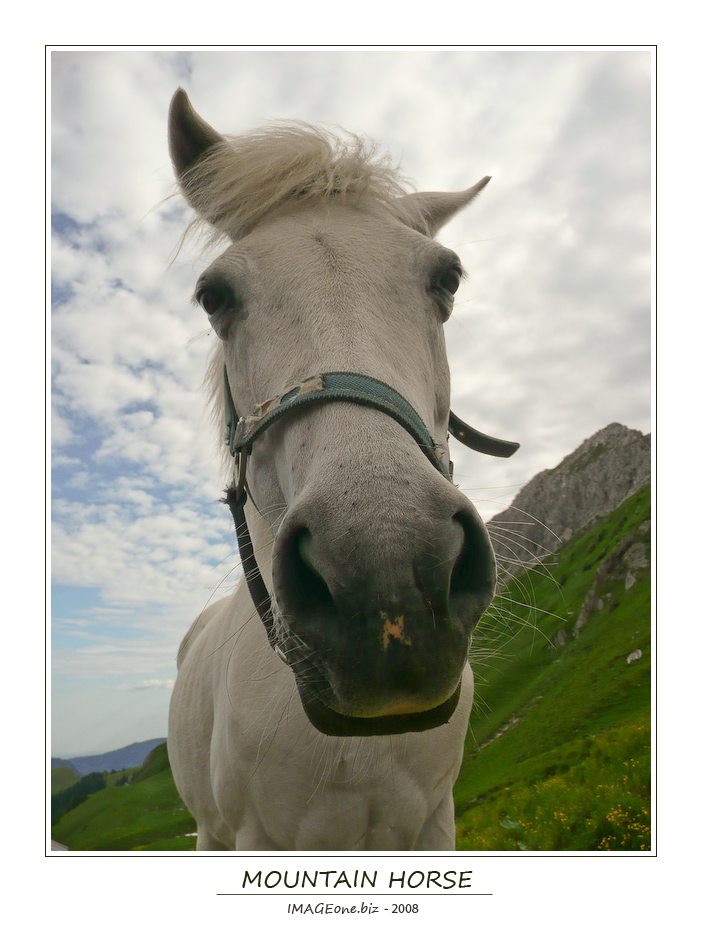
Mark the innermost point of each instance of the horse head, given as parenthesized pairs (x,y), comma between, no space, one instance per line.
(379,567)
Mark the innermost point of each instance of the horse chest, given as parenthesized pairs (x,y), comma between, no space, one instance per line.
(345,811)
(362,796)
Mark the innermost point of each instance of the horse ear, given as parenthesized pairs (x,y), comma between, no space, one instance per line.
(428,211)
(189,137)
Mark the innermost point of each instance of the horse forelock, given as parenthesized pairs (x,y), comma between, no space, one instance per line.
(242,179)
(213,384)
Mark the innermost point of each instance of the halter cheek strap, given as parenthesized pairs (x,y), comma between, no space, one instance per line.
(354,387)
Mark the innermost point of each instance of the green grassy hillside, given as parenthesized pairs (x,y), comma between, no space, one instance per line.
(62,778)
(145,815)
(558,757)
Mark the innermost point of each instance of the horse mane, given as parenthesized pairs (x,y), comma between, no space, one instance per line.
(241,179)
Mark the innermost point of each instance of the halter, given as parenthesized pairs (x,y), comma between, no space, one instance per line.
(330,386)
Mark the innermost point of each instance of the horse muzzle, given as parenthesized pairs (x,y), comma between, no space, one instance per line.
(378,644)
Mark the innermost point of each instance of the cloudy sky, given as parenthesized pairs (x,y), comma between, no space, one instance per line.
(549,340)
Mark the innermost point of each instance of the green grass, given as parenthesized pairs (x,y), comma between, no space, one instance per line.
(145,815)
(595,798)
(558,756)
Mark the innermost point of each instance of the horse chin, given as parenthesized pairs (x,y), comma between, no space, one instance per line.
(333,723)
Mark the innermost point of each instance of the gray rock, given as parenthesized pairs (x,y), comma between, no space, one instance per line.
(636,556)
(589,483)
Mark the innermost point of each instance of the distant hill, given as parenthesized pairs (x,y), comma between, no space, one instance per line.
(133,755)
(62,778)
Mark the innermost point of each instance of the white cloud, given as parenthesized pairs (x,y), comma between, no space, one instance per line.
(156,553)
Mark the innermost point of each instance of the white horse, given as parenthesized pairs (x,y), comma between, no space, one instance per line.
(332,713)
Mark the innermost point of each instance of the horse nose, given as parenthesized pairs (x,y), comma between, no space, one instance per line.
(382,617)
(318,565)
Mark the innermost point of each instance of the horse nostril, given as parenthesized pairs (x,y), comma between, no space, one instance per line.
(473,573)
(306,587)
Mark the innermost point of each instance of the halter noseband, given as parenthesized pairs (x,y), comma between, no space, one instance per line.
(330,386)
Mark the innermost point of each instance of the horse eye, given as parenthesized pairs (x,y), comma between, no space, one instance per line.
(449,280)
(212,299)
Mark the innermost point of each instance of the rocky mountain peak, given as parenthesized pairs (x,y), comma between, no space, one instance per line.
(591,482)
